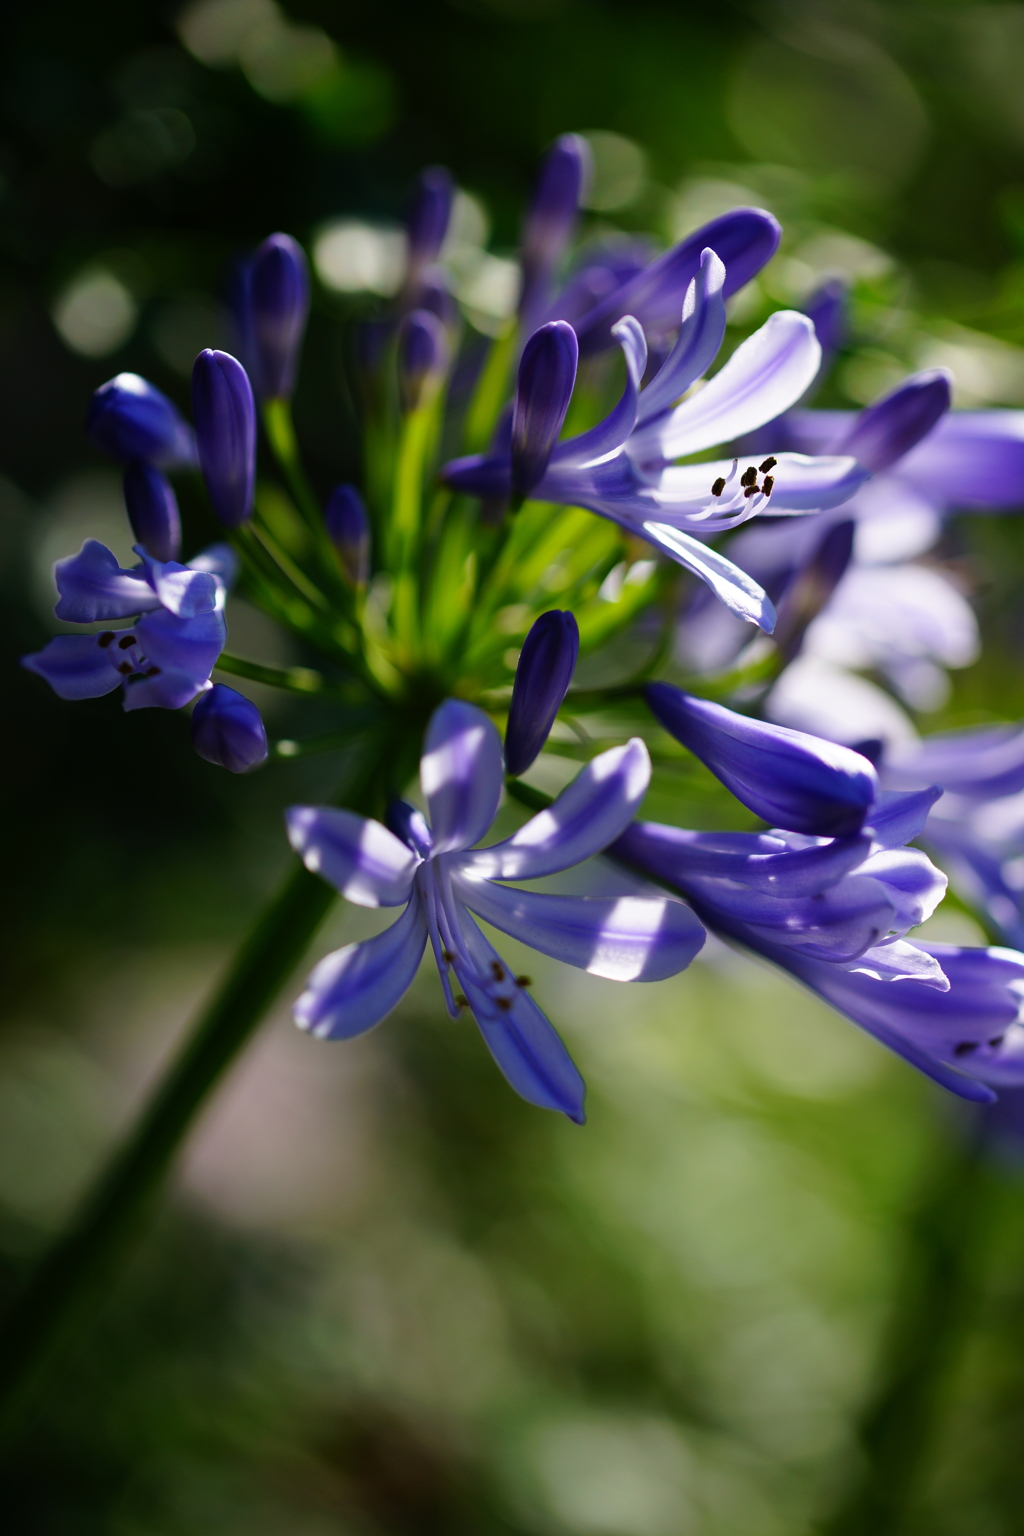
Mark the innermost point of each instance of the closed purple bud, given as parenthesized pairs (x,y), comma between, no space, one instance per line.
(225,418)
(131,419)
(348,529)
(422,357)
(152,510)
(889,428)
(813,585)
(430,209)
(794,781)
(547,662)
(279,307)
(433,292)
(227,730)
(547,373)
(826,308)
(552,213)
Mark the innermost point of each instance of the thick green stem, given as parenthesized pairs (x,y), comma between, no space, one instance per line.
(930,1313)
(69,1277)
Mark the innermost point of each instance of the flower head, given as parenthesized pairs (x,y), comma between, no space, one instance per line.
(131,419)
(227,729)
(433,869)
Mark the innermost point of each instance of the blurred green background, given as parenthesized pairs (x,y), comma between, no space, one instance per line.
(386,1296)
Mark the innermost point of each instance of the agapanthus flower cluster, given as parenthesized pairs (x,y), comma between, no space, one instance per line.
(420,603)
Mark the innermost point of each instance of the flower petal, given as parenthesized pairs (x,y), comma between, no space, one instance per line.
(353,988)
(914,885)
(697,345)
(739,592)
(523,1042)
(759,861)
(801,484)
(460,774)
(182,589)
(93,587)
(360,858)
(900,961)
(589,813)
(886,430)
(186,646)
(75,666)
(625,938)
(547,374)
(616,427)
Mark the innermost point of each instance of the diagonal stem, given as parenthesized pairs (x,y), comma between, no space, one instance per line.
(61,1291)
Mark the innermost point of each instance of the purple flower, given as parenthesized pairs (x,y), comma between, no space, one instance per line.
(276,298)
(827,310)
(227,729)
(790,779)
(444,887)
(550,222)
(225,417)
(130,418)
(430,209)
(163,659)
(348,528)
(887,430)
(624,468)
(547,373)
(423,353)
(546,665)
(152,509)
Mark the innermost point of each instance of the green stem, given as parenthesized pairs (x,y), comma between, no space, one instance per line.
(293,679)
(280,430)
(930,1312)
(66,1283)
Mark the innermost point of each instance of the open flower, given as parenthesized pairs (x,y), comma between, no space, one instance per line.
(624,467)
(166,656)
(445,884)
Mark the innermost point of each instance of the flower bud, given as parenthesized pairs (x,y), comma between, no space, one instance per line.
(812,585)
(227,730)
(826,308)
(551,217)
(278,298)
(348,529)
(422,357)
(433,292)
(131,419)
(225,417)
(546,665)
(152,510)
(547,374)
(889,428)
(794,781)
(430,209)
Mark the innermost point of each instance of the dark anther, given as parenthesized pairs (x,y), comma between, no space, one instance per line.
(751,490)
(461,1001)
(447,956)
(768,464)
(125,669)
(524,981)
(998,1040)
(504,1003)
(125,642)
(965,1048)
(768,484)
(106,638)
(748,476)
(151,672)
(496,971)
(719,486)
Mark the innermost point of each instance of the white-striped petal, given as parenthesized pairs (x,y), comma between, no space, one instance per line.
(368,864)
(353,988)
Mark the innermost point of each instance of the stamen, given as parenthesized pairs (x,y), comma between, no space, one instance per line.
(461,1001)
(151,672)
(768,464)
(504,1003)
(125,669)
(997,1041)
(447,956)
(768,484)
(107,638)
(965,1048)
(719,486)
(125,642)
(751,490)
(524,981)
(748,476)
(496,971)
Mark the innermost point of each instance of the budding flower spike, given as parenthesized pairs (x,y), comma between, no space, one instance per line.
(432,869)
(225,418)
(348,529)
(547,662)
(277,297)
(430,211)
(550,221)
(423,354)
(228,730)
(152,509)
(130,418)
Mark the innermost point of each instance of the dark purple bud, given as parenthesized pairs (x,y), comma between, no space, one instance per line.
(889,428)
(433,292)
(130,418)
(547,662)
(225,418)
(812,586)
(348,529)
(279,307)
(792,780)
(227,730)
(152,510)
(826,308)
(551,216)
(430,209)
(422,357)
(547,374)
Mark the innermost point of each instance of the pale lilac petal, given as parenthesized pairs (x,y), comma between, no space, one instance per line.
(900,961)
(93,587)
(914,885)
(739,592)
(765,376)
(360,858)
(900,818)
(625,938)
(523,1042)
(801,484)
(461,774)
(181,589)
(616,428)
(593,810)
(697,345)
(189,646)
(75,666)
(353,988)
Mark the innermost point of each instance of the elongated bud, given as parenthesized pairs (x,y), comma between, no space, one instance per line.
(547,662)
(812,586)
(348,529)
(422,357)
(551,217)
(225,418)
(827,309)
(792,780)
(152,510)
(131,419)
(430,210)
(889,428)
(227,729)
(547,374)
(433,292)
(278,296)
